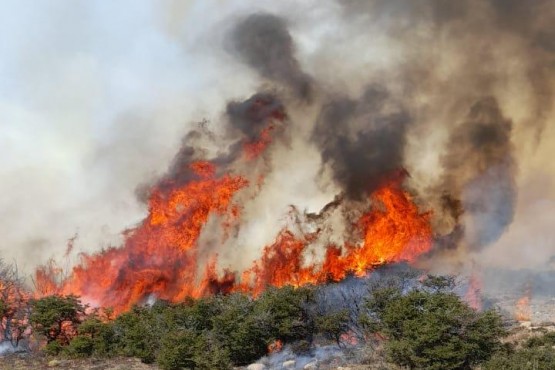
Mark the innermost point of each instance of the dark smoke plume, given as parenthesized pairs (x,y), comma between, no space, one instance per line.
(362,140)
(244,122)
(479,171)
(264,42)
(525,24)
(251,116)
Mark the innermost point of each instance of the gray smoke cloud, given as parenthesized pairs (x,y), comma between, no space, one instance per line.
(264,42)
(479,175)
(362,140)
(368,87)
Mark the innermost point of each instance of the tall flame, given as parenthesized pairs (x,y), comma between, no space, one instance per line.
(523,312)
(395,232)
(164,258)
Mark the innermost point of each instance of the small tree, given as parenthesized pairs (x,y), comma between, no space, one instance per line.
(94,337)
(289,313)
(242,331)
(137,333)
(535,358)
(333,325)
(57,317)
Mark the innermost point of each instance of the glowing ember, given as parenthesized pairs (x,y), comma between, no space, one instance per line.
(349,338)
(275,346)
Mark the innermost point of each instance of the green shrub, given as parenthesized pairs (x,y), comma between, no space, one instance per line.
(288,309)
(240,329)
(101,335)
(178,350)
(538,358)
(189,349)
(53,348)
(333,325)
(52,316)
(435,330)
(136,335)
(79,347)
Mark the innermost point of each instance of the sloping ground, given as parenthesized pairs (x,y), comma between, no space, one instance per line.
(359,359)
(26,362)
(37,362)
(328,357)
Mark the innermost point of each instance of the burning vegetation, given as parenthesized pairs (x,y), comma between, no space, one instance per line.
(415,167)
(197,212)
(164,256)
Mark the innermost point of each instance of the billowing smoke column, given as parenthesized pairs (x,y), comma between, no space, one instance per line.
(479,172)
(367,139)
(362,140)
(263,42)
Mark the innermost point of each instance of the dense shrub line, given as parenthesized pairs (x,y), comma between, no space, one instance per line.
(209,333)
(420,324)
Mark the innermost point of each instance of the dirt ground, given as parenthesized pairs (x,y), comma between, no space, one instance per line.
(37,362)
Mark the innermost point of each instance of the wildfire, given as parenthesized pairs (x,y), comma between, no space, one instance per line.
(163,258)
(14,323)
(275,346)
(523,311)
(349,338)
(253,149)
(473,294)
(395,232)
(158,257)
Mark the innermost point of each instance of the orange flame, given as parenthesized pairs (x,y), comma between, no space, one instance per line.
(349,338)
(473,294)
(14,320)
(253,149)
(398,232)
(523,311)
(160,257)
(275,346)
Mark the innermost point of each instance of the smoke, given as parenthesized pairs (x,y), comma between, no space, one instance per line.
(362,140)
(264,42)
(459,94)
(479,172)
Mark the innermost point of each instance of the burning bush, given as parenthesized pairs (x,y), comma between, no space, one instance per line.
(14,306)
(57,317)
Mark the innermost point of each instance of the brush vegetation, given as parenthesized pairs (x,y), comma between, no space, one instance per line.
(414,324)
